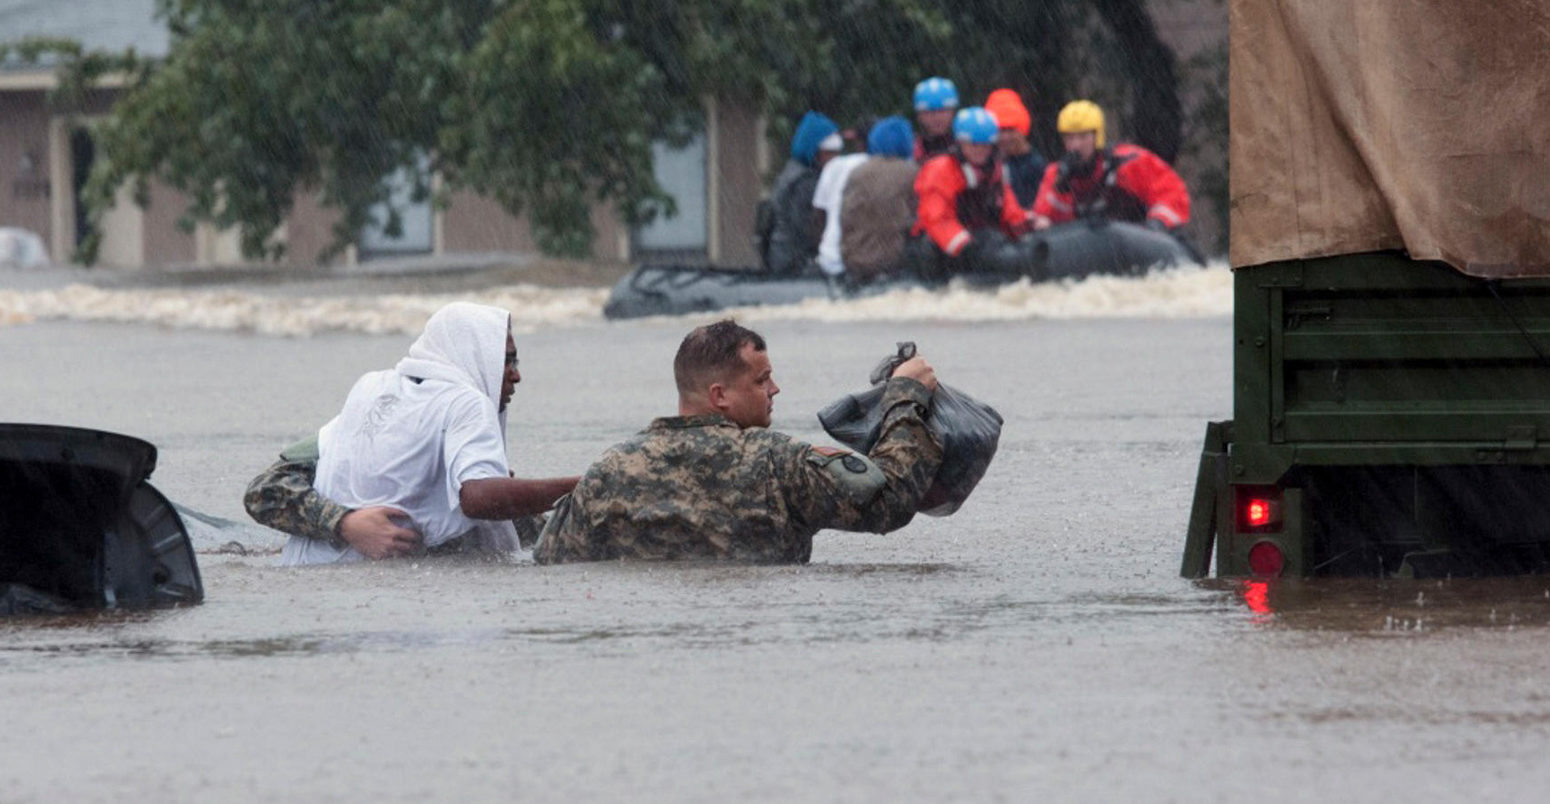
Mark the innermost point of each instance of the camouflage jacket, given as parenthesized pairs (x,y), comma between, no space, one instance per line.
(282,497)
(700,487)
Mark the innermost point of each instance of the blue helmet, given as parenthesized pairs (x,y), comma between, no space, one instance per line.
(891,136)
(935,93)
(812,130)
(975,125)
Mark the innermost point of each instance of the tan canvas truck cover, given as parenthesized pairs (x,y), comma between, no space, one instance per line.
(1423,125)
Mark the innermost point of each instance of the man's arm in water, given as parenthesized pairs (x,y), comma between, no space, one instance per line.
(282,497)
(512,497)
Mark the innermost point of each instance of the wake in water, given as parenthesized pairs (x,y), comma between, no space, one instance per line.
(1182,293)
(401,313)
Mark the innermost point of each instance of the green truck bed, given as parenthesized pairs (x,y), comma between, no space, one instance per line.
(1390,417)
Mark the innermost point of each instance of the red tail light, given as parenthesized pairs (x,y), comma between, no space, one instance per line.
(1258,513)
(1266,560)
(1259,509)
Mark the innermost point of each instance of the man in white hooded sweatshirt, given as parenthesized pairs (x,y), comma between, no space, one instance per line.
(423,445)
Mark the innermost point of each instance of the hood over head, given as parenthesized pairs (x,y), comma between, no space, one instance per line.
(811,131)
(463,343)
(466,343)
(1009,110)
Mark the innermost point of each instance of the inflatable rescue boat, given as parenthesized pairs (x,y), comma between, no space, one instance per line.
(1069,251)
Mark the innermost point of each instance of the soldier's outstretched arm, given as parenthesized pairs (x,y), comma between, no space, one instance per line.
(282,497)
(880,491)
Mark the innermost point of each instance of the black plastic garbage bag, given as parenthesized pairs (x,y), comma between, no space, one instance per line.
(968,429)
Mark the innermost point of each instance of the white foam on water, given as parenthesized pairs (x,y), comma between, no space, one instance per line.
(1178,293)
(532,308)
(1181,293)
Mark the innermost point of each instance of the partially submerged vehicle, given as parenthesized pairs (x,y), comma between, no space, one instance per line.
(81,528)
(1070,251)
(1391,336)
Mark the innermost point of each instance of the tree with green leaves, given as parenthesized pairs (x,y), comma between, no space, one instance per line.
(549,106)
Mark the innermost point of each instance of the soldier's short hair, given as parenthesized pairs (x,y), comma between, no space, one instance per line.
(711,353)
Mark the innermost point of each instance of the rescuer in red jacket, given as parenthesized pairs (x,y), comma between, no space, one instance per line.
(1126,182)
(967,217)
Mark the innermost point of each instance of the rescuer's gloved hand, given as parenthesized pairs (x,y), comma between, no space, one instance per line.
(983,250)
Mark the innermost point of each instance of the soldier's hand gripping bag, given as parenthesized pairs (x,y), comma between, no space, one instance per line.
(968,429)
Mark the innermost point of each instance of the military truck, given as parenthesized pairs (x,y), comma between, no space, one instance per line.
(1390,241)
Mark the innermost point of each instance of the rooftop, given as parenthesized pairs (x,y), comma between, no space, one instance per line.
(112,25)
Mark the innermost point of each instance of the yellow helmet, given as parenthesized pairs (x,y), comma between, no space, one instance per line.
(1081,115)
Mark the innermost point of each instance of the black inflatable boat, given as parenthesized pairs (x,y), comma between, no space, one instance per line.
(80,528)
(1069,251)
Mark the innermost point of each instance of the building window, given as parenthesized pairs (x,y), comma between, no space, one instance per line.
(416,218)
(683,237)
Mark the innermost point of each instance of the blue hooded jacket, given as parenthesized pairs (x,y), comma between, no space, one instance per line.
(891,136)
(813,129)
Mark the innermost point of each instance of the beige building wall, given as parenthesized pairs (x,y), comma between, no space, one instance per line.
(473,222)
(217,246)
(737,182)
(25,165)
(477,223)
(308,230)
(122,230)
(612,241)
(165,242)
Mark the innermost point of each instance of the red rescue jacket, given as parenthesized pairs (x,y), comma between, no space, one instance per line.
(927,147)
(955,197)
(1133,183)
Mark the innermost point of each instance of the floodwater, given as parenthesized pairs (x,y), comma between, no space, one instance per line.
(1036,645)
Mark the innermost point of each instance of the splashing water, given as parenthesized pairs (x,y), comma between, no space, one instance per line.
(403,313)
(1183,293)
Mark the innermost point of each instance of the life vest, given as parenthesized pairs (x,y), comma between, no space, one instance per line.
(980,200)
(1126,182)
(955,198)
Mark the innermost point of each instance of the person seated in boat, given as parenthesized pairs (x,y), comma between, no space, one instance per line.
(879,203)
(416,459)
(828,198)
(967,218)
(1125,182)
(936,101)
(1023,164)
(788,240)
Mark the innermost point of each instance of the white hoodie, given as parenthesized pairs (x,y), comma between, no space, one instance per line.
(413,445)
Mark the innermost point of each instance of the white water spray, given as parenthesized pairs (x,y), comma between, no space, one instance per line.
(1183,293)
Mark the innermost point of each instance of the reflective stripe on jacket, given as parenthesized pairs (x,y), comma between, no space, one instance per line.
(941,182)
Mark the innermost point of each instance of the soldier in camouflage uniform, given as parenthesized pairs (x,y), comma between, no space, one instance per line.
(714,483)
